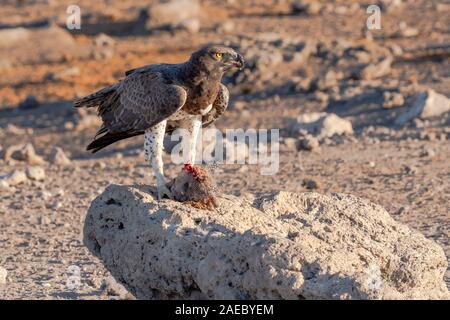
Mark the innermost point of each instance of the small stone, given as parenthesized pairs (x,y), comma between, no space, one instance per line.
(99,165)
(103,40)
(310,184)
(410,170)
(15,178)
(44,220)
(36,173)
(427,152)
(30,102)
(58,157)
(427,104)
(226,26)
(331,79)
(392,100)
(13,129)
(407,31)
(308,143)
(3,275)
(372,164)
(377,70)
(308,7)
(114,288)
(190,25)
(55,205)
(324,124)
(25,153)
(290,143)
(172,12)
(66,73)
(4,185)
(44,195)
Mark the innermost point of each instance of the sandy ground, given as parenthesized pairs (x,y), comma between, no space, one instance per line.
(404,169)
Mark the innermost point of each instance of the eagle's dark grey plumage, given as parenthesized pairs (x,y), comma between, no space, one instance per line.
(159,98)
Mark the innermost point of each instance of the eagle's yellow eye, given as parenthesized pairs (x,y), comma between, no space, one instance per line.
(219,55)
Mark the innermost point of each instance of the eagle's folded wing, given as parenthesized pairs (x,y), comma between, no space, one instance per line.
(219,106)
(138,102)
(143,100)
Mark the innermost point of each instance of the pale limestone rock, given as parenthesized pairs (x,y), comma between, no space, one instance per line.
(323,124)
(281,246)
(36,173)
(427,104)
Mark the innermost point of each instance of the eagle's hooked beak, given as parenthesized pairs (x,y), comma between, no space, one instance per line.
(239,62)
(236,61)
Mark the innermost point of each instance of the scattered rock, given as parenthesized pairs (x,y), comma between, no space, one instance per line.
(281,246)
(58,157)
(14,178)
(392,100)
(331,79)
(377,70)
(390,5)
(30,102)
(63,74)
(103,40)
(190,25)
(427,152)
(4,185)
(227,26)
(23,153)
(173,12)
(99,165)
(310,184)
(407,31)
(310,7)
(427,104)
(40,45)
(44,195)
(3,275)
(308,143)
(36,173)
(290,143)
(113,288)
(410,170)
(104,47)
(15,130)
(323,124)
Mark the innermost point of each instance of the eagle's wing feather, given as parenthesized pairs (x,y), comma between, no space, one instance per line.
(144,99)
(138,102)
(219,106)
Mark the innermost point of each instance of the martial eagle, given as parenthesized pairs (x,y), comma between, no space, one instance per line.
(156,99)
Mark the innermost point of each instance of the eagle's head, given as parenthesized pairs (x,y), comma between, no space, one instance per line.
(218,57)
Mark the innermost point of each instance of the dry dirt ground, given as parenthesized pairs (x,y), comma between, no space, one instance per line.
(403,168)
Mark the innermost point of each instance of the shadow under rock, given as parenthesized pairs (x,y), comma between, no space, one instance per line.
(365,109)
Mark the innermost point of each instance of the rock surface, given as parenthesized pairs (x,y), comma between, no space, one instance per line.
(427,104)
(58,157)
(281,246)
(3,275)
(323,124)
(173,12)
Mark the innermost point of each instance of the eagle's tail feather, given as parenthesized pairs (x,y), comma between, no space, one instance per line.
(109,138)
